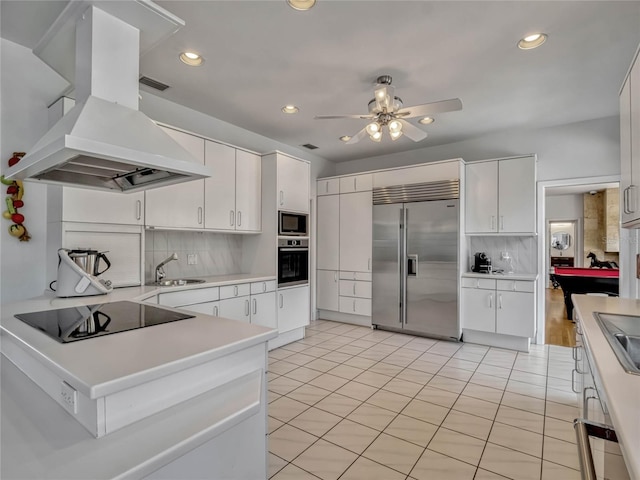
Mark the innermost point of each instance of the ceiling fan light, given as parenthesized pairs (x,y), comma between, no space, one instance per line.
(395,135)
(301,4)
(373,128)
(532,41)
(345,138)
(395,126)
(191,58)
(426,120)
(290,109)
(376,137)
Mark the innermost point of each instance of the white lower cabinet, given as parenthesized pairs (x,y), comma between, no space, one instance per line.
(355,306)
(208,308)
(327,289)
(237,308)
(263,310)
(293,308)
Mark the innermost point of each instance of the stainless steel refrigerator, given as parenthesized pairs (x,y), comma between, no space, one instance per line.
(415,259)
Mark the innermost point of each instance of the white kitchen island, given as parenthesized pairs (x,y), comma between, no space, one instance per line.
(185,399)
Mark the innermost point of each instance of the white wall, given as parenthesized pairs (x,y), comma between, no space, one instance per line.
(564,207)
(28,86)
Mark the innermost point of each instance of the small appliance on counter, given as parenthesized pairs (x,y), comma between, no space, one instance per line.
(481,263)
(78,272)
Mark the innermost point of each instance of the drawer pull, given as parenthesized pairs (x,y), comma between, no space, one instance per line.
(231,218)
(246,308)
(235,290)
(354,289)
(491,300)
(255,306)
(215,311)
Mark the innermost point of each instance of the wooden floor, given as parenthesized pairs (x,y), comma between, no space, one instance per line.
(558,328)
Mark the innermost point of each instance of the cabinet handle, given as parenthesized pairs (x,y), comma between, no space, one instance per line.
(281,198)
(326,187)
(231,218)
(573,381)
(235,290)
(199,215)
(255,306)
(624,200)
(369,264)
(502,222)
(477,283)
(354,305)
(239,218)
(335,277)
(354,289)
(138,209)
(491,300)
(246,308)
(493,219)
(281,301)
(355,183)
(630,202)
(215,311)
(500,301)
(264,286)
(585,401)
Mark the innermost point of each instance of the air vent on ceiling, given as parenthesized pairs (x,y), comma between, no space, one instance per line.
(150,82)
(309,146)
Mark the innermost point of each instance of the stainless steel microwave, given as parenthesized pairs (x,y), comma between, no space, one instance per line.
(296,224)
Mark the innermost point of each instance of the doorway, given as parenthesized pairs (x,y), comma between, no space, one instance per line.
(572,216)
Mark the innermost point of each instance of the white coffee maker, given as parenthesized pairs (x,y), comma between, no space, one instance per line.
(78,272)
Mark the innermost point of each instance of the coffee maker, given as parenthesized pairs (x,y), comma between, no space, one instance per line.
(481,263)
(78,271)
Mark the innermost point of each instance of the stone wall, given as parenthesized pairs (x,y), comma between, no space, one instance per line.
(601,209)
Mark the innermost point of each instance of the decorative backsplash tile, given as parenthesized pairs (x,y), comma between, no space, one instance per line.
(522,250)
(216,253)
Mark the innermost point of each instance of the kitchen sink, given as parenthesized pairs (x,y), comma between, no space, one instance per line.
(178,282)
(623,334)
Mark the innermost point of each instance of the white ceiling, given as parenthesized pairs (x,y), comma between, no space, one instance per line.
(261,55)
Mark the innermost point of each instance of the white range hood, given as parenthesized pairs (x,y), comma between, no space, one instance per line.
(105,142)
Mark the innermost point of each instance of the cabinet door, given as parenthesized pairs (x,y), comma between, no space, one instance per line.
(208,308)
(179,205)
(293,308)
(478,309)
(356,183)
(237,308)
(481,197)
(327,289)
(355,306)
(330,186)
(263,310)
(515,313)
(248,192)
(94,206)
(328,233)
(625,151)
(517,195)
(293,184)
(356,231)
(634,192)
(220,189)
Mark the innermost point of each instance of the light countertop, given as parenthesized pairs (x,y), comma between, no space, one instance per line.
(622,389)
(503,276)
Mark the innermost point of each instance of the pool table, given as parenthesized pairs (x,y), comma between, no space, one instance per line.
(585,280)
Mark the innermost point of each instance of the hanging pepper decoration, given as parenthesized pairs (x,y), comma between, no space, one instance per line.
(13,201)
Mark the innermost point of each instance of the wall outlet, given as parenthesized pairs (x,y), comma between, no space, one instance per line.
(69,396)
(192,259)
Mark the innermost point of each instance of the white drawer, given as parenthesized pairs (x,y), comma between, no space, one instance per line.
(351,288)
(516,286)
(355,306)
(483,283)
(362,276)
(188,297)
(231,291)
(263,287)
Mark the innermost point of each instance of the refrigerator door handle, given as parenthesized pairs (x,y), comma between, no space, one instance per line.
(404,273)
(400,269)
(412,265)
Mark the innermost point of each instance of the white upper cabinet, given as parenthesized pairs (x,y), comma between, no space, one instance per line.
(329,186)
(501,196)
(356,183)
(630,148)
(94,206)
(292,184)
(232,193)
(328,232)
(356,233)
(182,205)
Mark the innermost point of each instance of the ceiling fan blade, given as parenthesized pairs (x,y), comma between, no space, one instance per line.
(358,136)
(411,131)
(430,108)
(331,117)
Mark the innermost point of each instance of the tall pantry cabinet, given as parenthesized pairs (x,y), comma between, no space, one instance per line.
(630,147)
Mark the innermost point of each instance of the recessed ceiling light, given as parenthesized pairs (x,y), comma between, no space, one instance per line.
(290,109)
(301,4)
(532,41)
(345,138)
(191,58)
(426,120)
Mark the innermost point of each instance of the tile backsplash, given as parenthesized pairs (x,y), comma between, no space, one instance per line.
(522,250)
(216,253)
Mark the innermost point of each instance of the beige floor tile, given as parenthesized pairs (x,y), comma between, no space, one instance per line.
(394,453)
(363,343)
(449,384)
(345,371)
(316,351)
(563,384)
(468,424)
(325,460)
(372,416)
(487,369)
(440,397)
(283,385)
(469,356)
(296,347)
(280,353)
(510,463)
(281,367)
(271,376)
(412,430)
(428,412)
(308,394)
(529,378)
(338,404)
(462,364)
(321,365)
(328,382)
(521,419)
(350,350)
(553,471)
(561,411)
(430,357)
(523,402)
(272,396)
(424,366)
(530,390)
(284,409)
(373,379)
(517,439)
(563,453)
(559,429)
(291,472)
(477,407)
(288,442)
(275,464)
(360,362)
(562,396)
(483,393)
(457,445)
(303,374)
(415,376)
(356,390)
(433,465)
(445,348)
(273,424)
(351,435)
(386,368)
(403,387)
(389,400)
(486,475)
(300,358)
(457,373)
(373,354)
(337,357)
(488,381)
(316,422)
(365,469)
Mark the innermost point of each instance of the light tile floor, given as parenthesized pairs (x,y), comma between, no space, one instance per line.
(351,403)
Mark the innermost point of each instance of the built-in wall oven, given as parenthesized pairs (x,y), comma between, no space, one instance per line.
(293,262)
(293,224)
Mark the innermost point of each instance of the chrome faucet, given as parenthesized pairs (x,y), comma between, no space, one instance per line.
(160,273)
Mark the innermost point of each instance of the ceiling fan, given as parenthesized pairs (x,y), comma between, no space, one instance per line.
(385,109)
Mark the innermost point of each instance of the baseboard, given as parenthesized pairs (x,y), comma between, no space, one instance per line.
(499,340)
(287,337)
(362,320)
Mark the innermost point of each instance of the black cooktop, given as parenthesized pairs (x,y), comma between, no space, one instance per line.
(89,321)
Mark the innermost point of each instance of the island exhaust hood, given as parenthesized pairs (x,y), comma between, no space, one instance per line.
(104,141)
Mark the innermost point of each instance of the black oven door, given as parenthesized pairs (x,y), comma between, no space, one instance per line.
(293,266)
